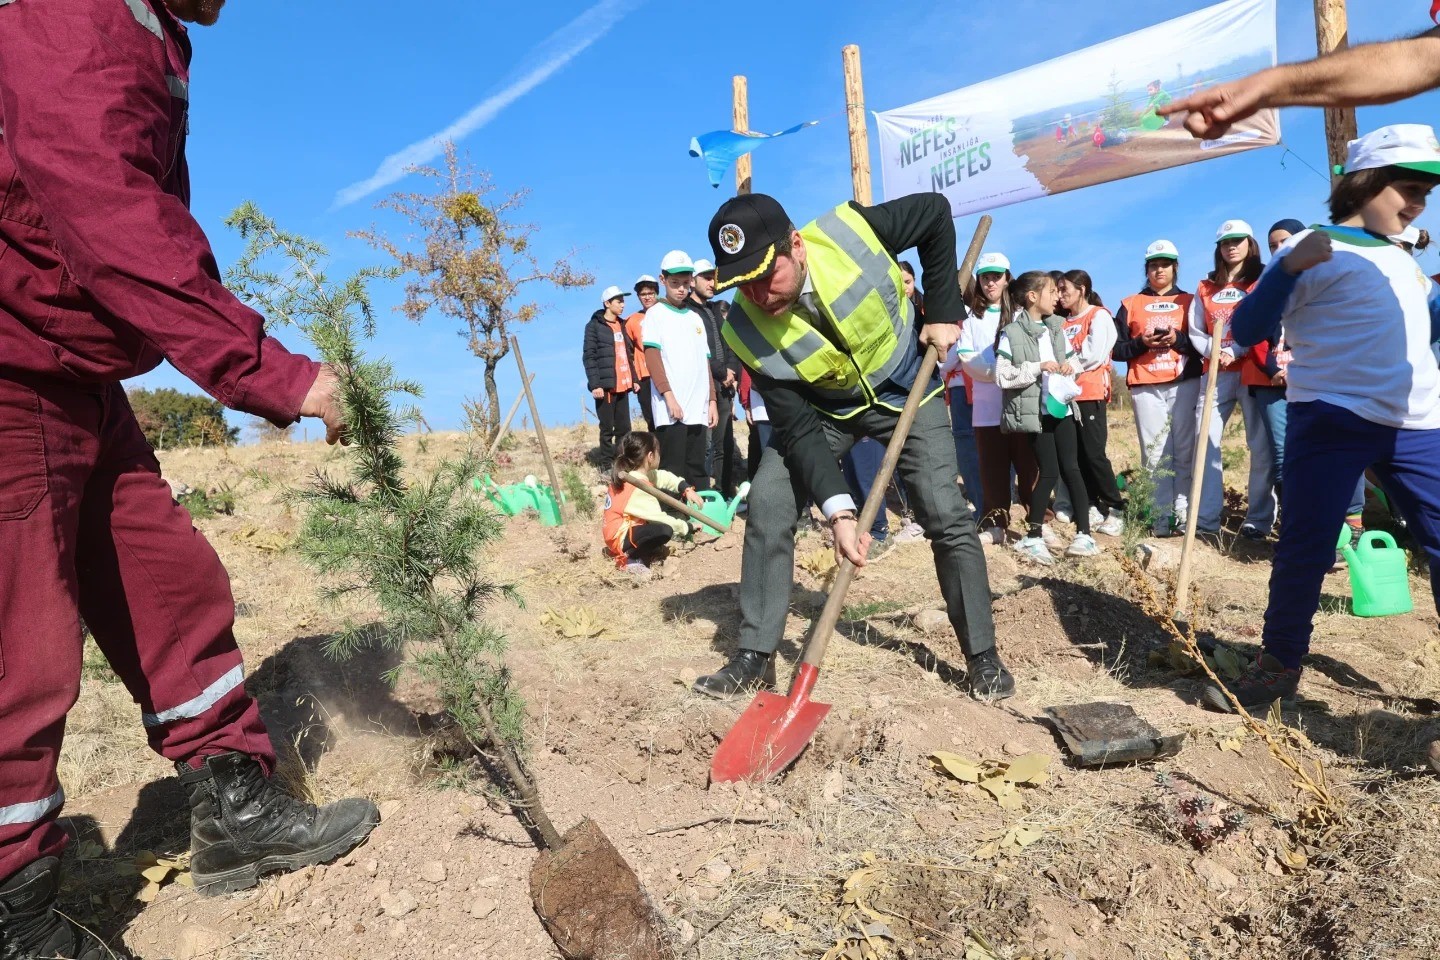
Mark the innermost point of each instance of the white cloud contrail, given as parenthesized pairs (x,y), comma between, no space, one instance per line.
(553,53)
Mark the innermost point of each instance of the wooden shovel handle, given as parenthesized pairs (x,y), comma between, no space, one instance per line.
(675,502)
(835,602)
(1197,480)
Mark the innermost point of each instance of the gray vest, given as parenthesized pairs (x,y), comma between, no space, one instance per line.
(1023,407)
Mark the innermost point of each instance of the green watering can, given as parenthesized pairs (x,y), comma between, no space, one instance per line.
(514,499)
(1379,575)
(716,507)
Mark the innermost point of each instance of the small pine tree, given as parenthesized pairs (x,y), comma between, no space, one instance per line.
(413,544)
(1118,115)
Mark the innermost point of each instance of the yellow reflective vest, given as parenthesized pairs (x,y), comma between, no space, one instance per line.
(859,291)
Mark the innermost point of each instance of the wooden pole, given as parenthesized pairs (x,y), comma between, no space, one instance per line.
(741,114)
(676,503)
(539,428)
(1332,32)
(1197,479)
(505,427)
(855,117)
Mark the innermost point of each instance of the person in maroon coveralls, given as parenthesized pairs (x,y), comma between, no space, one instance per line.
(104,273)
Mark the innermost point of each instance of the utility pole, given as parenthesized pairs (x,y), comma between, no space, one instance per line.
(1332,32)
(855,117)
(741,118)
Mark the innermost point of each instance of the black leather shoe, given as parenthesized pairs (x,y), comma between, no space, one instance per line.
(988,679)
(30,929)
(746,672)
(243,826)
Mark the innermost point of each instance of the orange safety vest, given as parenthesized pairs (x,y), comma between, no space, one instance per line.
(1252,367)
(1094,384)
(632,330)
(1147,313)
(624,381)
(1218,301)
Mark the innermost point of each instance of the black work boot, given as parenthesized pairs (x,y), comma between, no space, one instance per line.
(30,929)
(243,826)
(1264,683)
(745,672)
(987,677)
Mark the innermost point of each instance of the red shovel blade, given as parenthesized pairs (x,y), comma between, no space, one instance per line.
(770,734)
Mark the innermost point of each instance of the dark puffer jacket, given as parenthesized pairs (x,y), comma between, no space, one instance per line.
(599,351)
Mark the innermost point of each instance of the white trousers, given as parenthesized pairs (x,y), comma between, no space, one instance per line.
(1166,424)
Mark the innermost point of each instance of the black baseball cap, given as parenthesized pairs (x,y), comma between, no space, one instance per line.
(743,234)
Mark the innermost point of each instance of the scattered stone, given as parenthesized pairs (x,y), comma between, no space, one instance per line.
(380,889)
(717,871)
(482,908)
(685,931)
(1015,748)
(293,884)
(197,942)
(489,881)
(433,872)
(178,488)
(371,867)
(932,622)
(834,786)
(1154,558)
(1215,876)
(398,904)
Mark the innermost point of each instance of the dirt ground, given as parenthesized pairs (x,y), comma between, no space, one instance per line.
(866,848)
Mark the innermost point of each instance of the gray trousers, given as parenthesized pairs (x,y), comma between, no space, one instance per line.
(927,465)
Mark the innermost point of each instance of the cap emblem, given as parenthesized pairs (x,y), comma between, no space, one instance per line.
(732,239)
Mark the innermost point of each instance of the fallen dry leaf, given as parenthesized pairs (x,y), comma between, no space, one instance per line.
(958,767)
(1032,768)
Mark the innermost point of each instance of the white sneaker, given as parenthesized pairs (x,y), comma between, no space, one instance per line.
(1051,539)
(994,536)
(1113,526)
(909,533)
(1083,545)
(1095,517)
(1033,548)
(1062,515)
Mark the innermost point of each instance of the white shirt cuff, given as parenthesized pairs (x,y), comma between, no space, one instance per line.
(841,501)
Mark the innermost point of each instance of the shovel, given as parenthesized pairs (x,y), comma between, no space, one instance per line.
(1197,482)
(675,502)
(773,730)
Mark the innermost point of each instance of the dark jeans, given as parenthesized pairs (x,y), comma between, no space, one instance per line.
(1057,452)
(613,412)
(860,464)
(759,440)
(1000,454)
(967,455)
(1099,475)
(1327,449)
(722,456)
(682,452)
(646,410)
(927,464)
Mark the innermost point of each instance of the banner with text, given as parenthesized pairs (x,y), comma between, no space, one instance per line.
(1085,118)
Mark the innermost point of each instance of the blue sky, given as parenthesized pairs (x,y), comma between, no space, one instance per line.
(591,106)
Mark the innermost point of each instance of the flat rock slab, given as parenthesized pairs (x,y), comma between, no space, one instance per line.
(1101,733)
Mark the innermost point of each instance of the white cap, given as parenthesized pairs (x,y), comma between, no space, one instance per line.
(1410,235)
(1233,229)
(646,278)
(992,263)
(1409,145)
(611,292)
(704,266)
(1161,250)
(676,261)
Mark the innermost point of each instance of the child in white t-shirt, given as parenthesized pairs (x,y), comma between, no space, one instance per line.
(1359,316)
(677,353)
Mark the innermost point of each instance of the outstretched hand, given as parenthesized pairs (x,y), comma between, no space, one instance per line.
(321,402)
(1214,111)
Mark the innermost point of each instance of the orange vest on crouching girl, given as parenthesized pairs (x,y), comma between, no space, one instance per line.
(1146,313)
(1094,384)
(1218,301)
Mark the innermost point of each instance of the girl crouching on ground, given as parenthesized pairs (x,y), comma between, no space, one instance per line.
(636,527)
(1032,346)
(1363,387)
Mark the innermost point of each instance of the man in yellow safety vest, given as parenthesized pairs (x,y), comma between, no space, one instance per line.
(822,322)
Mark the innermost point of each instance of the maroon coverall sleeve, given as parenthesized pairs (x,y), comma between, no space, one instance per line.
(87,116)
